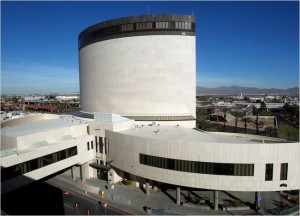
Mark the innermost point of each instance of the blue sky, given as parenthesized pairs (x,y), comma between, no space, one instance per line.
(252,44)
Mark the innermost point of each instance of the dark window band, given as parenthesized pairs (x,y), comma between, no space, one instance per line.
(197,166)
(28,166)
(138,26)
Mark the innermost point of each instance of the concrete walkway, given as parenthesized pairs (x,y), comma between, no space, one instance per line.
(134,200)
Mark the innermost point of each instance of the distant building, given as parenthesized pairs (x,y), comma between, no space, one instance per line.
(67,97)
(33,98)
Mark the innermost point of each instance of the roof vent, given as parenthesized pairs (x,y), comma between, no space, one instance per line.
(157,131)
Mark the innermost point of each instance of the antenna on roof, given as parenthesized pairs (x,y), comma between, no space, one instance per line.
(193,11)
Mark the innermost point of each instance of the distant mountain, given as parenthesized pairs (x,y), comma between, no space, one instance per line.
(237,90)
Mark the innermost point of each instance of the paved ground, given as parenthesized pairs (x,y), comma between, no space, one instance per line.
(134,200)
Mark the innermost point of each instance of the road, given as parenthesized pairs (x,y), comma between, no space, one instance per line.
(77,203)
(46,198)
(85,206)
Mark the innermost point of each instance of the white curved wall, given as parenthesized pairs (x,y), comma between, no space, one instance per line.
(124,152)
(142,75)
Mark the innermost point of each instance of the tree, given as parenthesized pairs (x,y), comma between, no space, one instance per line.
(201,119)
(15,99)
(246,121)
(263,106)
(262,111)
(272,131)
(288,132)
(258,123)
(225,110)
(246,99)
(291,111)
(202,123)
(237,115)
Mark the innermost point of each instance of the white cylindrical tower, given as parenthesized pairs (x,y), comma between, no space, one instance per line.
(139,66)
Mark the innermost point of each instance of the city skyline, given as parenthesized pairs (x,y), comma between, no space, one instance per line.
(252,44)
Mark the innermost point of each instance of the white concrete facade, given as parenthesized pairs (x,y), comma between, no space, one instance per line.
(142,75)
(28,138)
(123,141)
(125,149)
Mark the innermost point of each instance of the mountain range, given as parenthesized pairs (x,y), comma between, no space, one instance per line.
(237,90)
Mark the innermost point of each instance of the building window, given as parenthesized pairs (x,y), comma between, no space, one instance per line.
(130,27)
(269,172)
(283,171)
(162,25)
(28,166)
(149,25)
(88,146)
(137,25)
(105,145)
(127,27)
(92,145)
(197,166)
(96,139)
(101,144)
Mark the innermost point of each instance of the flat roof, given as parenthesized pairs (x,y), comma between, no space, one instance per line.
(35,146)
(164,132)
(40,126)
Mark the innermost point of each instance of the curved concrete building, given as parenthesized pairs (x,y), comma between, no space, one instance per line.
(143,68)
(139,66)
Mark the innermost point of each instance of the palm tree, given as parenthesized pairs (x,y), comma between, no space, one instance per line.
(225,110)
(237,115)
(246,120)
(263,106)
(201,121)
(258,124)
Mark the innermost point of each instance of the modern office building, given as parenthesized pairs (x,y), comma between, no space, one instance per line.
(137,83)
